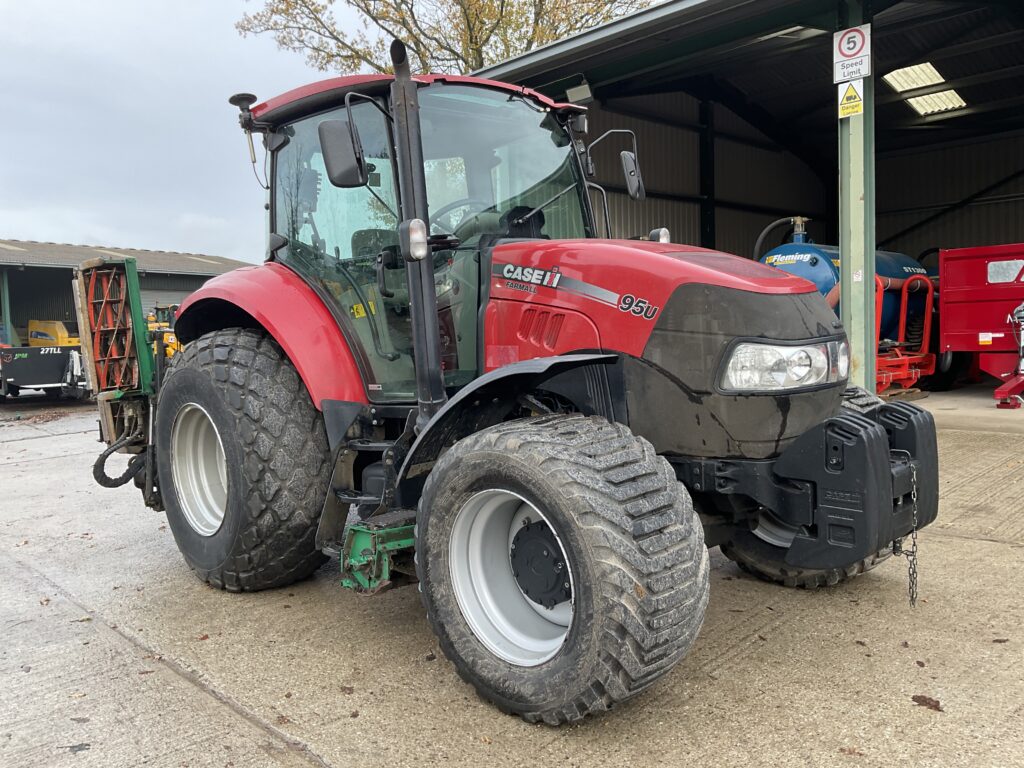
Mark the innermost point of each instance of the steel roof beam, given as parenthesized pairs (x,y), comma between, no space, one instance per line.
(733,99)
(624,110)
(615,60)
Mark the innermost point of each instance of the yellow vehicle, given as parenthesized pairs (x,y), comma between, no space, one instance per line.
(52,333)
(162,318)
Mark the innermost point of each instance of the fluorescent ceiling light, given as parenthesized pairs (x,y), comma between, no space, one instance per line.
(921,76)
(916,76)
(943,101)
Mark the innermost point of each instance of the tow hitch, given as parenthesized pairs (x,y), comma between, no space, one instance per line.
(378,551)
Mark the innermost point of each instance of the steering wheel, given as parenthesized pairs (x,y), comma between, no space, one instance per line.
(477,205)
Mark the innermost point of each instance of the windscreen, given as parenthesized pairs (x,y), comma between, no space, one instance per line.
(490,158)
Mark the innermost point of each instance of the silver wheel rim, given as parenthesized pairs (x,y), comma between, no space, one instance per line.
(508,623)
(772,530)
(199,469)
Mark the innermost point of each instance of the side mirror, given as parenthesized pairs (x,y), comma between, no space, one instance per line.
(343,153)
(634,183)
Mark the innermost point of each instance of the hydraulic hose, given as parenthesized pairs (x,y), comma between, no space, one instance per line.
(135,464)
(766,231)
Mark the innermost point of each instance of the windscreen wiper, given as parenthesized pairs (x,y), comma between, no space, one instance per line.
(522,219)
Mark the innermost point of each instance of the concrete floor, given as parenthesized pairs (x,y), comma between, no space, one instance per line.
(113,654)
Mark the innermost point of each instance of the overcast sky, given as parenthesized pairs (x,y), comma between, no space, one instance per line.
(115,128)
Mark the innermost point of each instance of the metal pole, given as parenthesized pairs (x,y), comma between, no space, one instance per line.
(857,222)
(5,307)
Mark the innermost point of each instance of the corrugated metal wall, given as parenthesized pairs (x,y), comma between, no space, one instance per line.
(914,185)
(911,185)
(747,176)
(39,293)
(164,290)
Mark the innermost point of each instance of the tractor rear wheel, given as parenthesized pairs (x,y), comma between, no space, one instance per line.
(561,565)
(243,462)
(761,551)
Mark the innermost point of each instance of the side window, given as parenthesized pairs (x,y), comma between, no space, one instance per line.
(334,236)
(336,223)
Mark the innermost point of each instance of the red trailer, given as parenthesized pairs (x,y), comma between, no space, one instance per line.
(981,303)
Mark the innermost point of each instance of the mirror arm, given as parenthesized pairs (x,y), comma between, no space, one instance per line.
(356,95)
(602,137)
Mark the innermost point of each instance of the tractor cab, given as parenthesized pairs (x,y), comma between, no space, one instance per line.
(498,165)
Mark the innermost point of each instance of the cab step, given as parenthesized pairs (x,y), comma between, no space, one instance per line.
(355,498)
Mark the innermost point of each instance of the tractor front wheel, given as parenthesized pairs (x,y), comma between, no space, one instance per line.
(243,462)
(561,564)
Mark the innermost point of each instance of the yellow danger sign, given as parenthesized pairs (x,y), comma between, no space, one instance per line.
(851,98)
(358,311)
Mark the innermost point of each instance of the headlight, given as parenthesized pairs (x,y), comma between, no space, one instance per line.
(754,367)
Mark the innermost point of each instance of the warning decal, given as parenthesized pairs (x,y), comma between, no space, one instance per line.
(851,98)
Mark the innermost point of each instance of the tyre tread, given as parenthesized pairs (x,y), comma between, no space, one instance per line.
(286,465)
(648,544)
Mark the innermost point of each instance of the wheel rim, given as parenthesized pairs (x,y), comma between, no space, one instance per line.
(199,469)
(772,530)
(491,593)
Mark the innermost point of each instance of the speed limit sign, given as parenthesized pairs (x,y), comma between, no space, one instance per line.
(851,54)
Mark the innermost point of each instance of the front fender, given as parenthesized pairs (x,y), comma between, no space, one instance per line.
(484,402)
(273,297)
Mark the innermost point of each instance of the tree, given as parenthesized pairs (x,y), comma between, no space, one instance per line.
(448,36)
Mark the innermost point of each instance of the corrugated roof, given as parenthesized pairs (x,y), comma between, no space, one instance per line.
(32,254)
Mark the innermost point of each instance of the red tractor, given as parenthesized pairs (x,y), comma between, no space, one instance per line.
(441,373)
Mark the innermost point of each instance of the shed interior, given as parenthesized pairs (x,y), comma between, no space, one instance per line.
(734,109)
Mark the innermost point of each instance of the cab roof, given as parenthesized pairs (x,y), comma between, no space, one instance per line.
(309,98)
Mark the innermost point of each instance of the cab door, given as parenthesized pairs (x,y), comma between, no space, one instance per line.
(334,238)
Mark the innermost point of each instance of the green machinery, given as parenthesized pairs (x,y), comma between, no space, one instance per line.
(125,365)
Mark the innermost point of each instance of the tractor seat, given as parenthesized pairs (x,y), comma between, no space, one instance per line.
(531,228)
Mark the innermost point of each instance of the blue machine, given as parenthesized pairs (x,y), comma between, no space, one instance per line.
(820,265)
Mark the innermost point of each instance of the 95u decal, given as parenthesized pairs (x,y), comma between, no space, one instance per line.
(636,306)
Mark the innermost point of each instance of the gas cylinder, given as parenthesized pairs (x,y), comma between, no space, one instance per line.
(820,264)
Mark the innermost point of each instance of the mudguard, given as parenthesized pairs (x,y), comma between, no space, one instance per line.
(483,403)
(276,299)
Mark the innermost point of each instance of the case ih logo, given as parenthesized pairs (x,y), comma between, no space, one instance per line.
(531,275)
